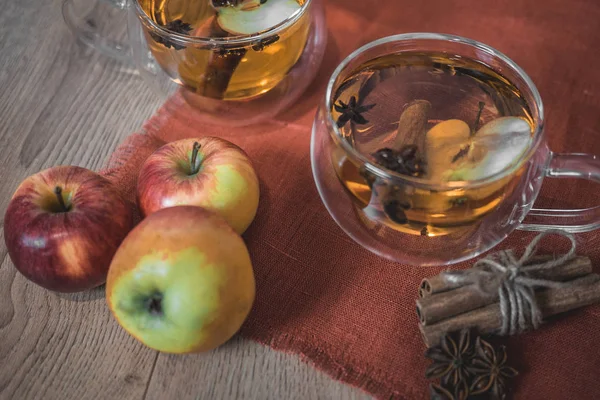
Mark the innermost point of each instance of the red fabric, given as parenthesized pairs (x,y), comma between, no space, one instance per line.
(345,310)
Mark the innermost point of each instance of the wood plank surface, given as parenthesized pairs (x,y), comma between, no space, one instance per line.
(62,103)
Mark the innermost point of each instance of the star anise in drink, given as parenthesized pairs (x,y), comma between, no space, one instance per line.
(175,26)
(404,161)
(351,112)
(224,3)
(395,210)
(264,43)
(222,52)
(491,371)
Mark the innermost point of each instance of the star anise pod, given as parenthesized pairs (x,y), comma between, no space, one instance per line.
(222,52)
(176,26)
(405,161)
(264,43)
(491,370)
(394,209)
(351,112)
(437,392)
(224,3)
(451,359)
(459,392)
(368,177)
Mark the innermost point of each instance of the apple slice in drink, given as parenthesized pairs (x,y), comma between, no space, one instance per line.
(255,16)
(453,154)
(495,147)
(442,143)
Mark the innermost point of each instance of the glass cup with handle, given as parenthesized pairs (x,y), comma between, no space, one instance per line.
(237,62)
(430,149)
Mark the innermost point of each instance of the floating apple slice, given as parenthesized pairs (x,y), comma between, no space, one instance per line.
(493,148)
(246,20)
(442,143)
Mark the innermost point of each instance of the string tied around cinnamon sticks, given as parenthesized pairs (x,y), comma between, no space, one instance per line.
(511,278)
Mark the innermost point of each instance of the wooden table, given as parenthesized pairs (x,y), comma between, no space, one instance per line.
(62,103)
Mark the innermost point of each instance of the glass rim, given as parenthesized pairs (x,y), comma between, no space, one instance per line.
(384,173)
(242,40)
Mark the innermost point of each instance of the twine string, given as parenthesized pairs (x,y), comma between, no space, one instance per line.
(502,272)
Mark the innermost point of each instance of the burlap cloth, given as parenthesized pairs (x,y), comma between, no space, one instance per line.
(348,312)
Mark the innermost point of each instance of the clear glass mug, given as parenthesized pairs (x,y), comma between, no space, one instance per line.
(100,24)
(516,187)
(229,79)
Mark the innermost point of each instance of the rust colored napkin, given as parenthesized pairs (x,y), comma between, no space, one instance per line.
(341,308)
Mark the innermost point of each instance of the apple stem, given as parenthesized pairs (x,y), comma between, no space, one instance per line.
(195,151)
(478,119)
(61,200)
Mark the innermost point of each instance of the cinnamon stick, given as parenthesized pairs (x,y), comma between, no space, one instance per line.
(584,292)
(411,129)
(439,284)
(220,68)
(412,125)
(447,304)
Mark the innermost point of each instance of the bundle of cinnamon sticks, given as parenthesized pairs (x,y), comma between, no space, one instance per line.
(447,306)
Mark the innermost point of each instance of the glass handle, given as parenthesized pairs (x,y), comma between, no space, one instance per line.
(581,166)
(100,24)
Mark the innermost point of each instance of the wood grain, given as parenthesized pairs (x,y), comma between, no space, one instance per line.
(64,104)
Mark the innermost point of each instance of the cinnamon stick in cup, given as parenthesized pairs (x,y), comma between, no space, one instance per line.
(222,64)
(413,125)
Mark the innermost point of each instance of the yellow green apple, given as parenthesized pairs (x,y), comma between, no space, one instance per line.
(182,281)
(209,172)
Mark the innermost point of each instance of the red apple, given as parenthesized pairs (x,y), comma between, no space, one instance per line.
(209,172)
(62,227)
